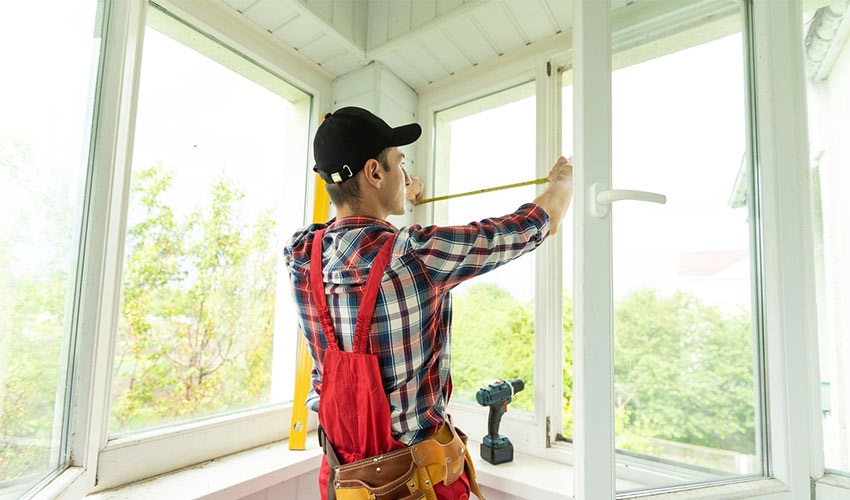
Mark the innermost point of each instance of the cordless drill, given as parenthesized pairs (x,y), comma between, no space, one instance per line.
(497,449)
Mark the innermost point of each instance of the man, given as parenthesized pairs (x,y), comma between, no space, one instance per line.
(374,305)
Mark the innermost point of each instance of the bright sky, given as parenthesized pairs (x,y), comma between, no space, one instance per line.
(680,130)
(203,120)
(51,120)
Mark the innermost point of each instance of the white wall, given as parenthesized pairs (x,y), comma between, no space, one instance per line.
(303,487)
(376,88)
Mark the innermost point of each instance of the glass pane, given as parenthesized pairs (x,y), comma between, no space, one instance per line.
(828,86)
(485,143)
(45,125)
(218,181)
(567,269)
(685,394)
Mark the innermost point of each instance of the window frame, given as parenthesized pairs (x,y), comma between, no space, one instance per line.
(259,425)
(67,389)
(94,458)
(791,435)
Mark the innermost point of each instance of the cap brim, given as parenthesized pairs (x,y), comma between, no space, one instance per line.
(406,134)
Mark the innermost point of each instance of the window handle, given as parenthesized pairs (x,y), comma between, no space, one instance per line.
(602,199)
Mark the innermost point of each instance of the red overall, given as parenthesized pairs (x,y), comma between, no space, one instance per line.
(353,410)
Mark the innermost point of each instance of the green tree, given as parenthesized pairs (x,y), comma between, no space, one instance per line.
(152,263)
(683,368)
(35,259)
(197,310)
(567,428)
(489,324)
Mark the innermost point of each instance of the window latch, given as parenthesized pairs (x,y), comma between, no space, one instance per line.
(600,200)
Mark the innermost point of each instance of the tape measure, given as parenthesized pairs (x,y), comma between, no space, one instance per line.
(481,191)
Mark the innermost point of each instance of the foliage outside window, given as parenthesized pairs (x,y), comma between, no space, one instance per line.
(218,184)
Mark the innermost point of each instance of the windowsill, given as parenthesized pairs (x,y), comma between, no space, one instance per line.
(833,484)
(834,479)
(232,476)
(247,472)
(161,451)
(526,477)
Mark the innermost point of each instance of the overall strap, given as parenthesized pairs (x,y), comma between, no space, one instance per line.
(317,289)
(367,305)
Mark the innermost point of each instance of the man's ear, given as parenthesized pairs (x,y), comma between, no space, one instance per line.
(373,173)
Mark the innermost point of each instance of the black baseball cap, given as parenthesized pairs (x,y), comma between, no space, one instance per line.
(351,136)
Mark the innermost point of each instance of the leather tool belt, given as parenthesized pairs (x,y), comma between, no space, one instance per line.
(406,474)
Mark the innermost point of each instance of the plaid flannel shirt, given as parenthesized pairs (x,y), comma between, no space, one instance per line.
(411,323)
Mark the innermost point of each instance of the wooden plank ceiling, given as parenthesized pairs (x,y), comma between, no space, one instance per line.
(421,41)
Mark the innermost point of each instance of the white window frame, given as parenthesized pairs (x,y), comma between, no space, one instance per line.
(795,451)
(96,462)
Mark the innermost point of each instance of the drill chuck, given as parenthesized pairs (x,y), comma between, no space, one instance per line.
(500,391)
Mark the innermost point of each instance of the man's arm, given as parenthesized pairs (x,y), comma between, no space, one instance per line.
(453,254)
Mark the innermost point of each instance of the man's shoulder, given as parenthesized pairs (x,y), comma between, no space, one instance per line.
(295,248)
(360,244)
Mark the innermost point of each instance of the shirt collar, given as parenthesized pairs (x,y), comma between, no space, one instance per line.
(356,221)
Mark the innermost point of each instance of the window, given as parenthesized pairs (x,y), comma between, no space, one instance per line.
(45,126)
(685,334)
(489,142)
(827,61)
(218,184)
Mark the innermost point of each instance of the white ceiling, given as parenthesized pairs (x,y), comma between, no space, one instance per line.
(423,41)
(420,40)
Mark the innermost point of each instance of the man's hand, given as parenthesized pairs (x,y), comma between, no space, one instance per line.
(415,190)
(556,199)
(562,172)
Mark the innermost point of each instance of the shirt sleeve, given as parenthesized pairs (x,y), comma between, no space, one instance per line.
(453,254)
(312,401)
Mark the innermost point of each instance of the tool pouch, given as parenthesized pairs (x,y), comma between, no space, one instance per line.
(406,474)
(385,477)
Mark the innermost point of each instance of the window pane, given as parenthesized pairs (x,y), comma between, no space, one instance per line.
(683,317)
(218,180)
(567,234)
(45,125)
(485,143)
(828,86)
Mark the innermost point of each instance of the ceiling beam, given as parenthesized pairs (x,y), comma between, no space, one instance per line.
(330,30)
(433,25)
